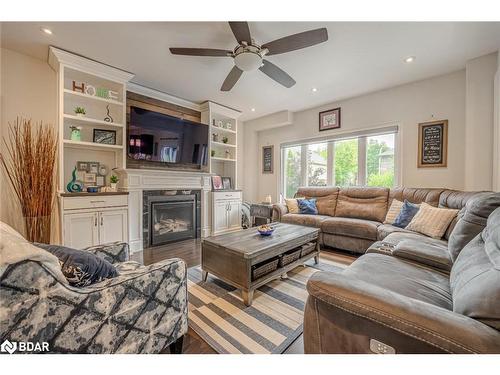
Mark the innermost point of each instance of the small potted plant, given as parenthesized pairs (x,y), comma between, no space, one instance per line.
(225,139)
(76,133)
(212,152)
(80,111)
(113,179)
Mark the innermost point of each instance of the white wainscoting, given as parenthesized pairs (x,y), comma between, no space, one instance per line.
(135,181)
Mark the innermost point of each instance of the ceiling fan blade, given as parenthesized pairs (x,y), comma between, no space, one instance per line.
(273,72)
(296,41)
(241,31)
(200,52)
(231,79)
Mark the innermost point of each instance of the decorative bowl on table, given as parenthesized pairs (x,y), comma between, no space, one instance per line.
(265,230)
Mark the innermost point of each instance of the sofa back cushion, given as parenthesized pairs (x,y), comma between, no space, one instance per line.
(432,221)
(368,203)
(326,198)
(416,195)
(475,276)
(472,220)
(457,200)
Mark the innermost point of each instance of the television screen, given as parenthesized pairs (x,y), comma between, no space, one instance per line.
(158,137)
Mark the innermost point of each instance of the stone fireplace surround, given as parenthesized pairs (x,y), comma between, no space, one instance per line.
(136,181)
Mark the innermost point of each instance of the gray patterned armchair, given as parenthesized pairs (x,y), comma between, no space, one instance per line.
(142,310)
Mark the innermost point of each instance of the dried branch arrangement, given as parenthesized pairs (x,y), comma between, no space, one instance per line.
(30,164)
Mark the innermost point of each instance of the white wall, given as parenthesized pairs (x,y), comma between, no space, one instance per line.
(496,129)
(27,89)
(436,98)
(479,130)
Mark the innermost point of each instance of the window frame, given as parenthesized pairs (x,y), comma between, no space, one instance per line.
(330,140)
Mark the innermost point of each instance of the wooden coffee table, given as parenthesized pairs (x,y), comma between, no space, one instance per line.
(233,257)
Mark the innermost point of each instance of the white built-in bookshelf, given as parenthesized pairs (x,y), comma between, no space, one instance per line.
(223,135)
(104,90)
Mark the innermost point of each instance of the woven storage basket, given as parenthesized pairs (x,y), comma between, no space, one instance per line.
(262,269)
(308,249)
(290,257)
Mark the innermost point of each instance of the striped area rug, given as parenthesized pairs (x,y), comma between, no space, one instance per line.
(217,312)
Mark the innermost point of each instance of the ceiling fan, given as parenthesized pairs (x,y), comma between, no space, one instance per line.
(249,56)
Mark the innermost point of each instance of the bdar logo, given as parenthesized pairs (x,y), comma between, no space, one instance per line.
(9,347)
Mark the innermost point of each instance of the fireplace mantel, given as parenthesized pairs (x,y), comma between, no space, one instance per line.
(135,181)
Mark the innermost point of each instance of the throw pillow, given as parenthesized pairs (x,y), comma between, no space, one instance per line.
(432,221)
(408,211)
(81,268)
(307,206)
(393,211)
(292,205)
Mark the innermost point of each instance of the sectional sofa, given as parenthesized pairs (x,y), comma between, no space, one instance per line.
(352,219)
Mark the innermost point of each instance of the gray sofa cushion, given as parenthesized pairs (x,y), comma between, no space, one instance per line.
(304,219)
(385,229)
(475,276)
(472,220)
(345,226)
(431,253)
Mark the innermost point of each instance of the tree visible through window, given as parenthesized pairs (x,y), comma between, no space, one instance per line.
(346,162)
(316,164)
(292,170)
(380,160)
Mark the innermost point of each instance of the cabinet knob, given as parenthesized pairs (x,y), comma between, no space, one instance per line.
(102,221)
(95,220)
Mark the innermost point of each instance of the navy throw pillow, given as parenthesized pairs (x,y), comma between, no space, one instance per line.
(408,210)
(307,206)
(81,268)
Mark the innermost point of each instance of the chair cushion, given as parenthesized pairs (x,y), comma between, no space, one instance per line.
(303,219)
(81,268)
(326,198)
(385,229)
(363,203)
(393,211)
(472,220)
(432,221)
(475,276)
(345,226)
(423,284)
(408,211)
(307,206)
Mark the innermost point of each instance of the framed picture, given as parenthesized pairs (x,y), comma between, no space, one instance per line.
(104,136)
(432,144)
(89,178)
(82,166)
(226,183)
(329,119)
(100,181)
(217,183)
(267,159)
(93,167)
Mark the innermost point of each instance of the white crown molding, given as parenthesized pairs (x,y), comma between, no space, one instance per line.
(221,109)
(152,93)
(58,57)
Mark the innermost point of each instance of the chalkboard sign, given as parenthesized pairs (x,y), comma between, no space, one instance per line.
(267,159)
(433,144)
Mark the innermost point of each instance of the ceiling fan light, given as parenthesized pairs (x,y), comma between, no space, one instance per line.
(248,61)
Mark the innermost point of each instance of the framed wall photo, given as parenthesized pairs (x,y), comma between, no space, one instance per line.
(267,159)
(105,136)
(433,144)
(329,119)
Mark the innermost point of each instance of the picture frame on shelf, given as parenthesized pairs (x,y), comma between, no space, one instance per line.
(217,183)
(93,167)
(227,183)
(330,119)
(105,136)
(89,178)
(82,166)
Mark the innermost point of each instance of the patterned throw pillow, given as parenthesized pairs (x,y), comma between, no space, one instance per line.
(307,206)
(292,205)
(81,268)
(393,211)
(432,221)
(408,211)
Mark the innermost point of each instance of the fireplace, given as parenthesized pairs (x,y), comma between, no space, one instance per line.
(170,216)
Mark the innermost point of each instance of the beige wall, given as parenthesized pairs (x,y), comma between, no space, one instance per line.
(436,98)
(479,130)
(27,89)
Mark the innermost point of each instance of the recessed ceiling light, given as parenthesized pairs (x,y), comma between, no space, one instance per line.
(314,89)
(410,59)
(253,110)
(46,30)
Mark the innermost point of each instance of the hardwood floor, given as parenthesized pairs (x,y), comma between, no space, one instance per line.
(190,252)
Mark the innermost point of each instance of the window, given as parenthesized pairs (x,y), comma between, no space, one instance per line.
(361,159)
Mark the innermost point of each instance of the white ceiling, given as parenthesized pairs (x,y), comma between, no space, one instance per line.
(359,57)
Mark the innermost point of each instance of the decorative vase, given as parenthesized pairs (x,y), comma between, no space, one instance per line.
(80,114)
(76,134)
(113,185)
(74,186)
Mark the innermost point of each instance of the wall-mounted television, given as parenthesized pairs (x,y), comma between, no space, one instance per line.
(166,140)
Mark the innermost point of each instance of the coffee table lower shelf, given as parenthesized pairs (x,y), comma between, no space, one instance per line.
(248,289)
